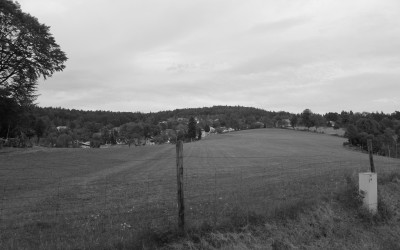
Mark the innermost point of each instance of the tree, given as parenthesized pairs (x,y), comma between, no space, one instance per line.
(207,128)
(40,127)
(306,118)
(216,123)
(293,120)
(388,139)
(344,118)
(27,52)
(368,125)
(397,131)
(332,116)
(132,131)
(63,141)
(181,131)
(386,123)
(396,115)
(352,134)
(191,128)
(199,133)
(268,122)
(278,121)
(318,120)
(8,110)
(146,131)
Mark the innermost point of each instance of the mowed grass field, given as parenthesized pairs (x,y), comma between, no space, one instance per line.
(106,198)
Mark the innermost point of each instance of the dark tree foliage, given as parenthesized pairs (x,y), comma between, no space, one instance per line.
(387,123)
(293,120)
(396,115)
(332,116)
(317,120)
(383,130)
(207,128)
(27,52)
(368,125)
(40,128)
(8,110)
(198,133)
(345,118)
(352,134)
(306,117)
(191,134)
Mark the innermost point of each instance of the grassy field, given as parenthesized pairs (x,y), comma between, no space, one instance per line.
(125,198)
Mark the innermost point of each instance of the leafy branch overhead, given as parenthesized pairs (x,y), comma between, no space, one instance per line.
(27,52)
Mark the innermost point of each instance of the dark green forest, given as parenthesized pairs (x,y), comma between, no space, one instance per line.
(59,127)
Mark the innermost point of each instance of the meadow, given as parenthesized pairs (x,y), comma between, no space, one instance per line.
(125,198)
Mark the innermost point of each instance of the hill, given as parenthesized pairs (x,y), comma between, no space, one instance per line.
(56,127)
(62,127)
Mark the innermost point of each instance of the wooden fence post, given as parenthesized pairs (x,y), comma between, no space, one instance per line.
(179,171)
(371,159)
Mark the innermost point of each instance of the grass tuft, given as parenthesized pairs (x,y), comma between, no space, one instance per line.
(293,210)
(351,198)
(385,178)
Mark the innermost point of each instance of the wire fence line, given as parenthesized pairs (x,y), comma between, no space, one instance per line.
(45,204)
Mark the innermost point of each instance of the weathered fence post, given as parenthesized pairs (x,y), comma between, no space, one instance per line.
(371,158)
(179,171)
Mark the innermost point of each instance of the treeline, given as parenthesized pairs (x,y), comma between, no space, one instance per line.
(382,129)
(62,127)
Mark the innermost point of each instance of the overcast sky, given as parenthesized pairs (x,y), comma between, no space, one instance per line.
(153,55)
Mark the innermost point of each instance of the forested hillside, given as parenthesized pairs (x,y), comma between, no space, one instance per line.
(65,128)
(60,127)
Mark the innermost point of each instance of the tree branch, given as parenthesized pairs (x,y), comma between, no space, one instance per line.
(8,77)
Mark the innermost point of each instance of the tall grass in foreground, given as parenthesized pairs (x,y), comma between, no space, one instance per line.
(331,222)
(334,219)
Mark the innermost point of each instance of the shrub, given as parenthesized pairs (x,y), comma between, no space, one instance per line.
(336,126)
(95,143)
(63,141)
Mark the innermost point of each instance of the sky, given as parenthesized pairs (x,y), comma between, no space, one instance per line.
(154,55)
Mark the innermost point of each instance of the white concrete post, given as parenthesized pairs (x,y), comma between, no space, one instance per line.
(368,188)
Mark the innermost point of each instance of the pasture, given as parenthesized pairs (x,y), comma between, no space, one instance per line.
(106,198)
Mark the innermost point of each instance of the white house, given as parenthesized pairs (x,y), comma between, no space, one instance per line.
(212,130)
(61,128)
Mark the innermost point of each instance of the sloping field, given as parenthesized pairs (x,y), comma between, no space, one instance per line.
(265,169)
(87,198)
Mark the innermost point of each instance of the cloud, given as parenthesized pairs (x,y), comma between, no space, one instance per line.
(279,55)
(279,25)
(387,101)
(197,66)
(46,7)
